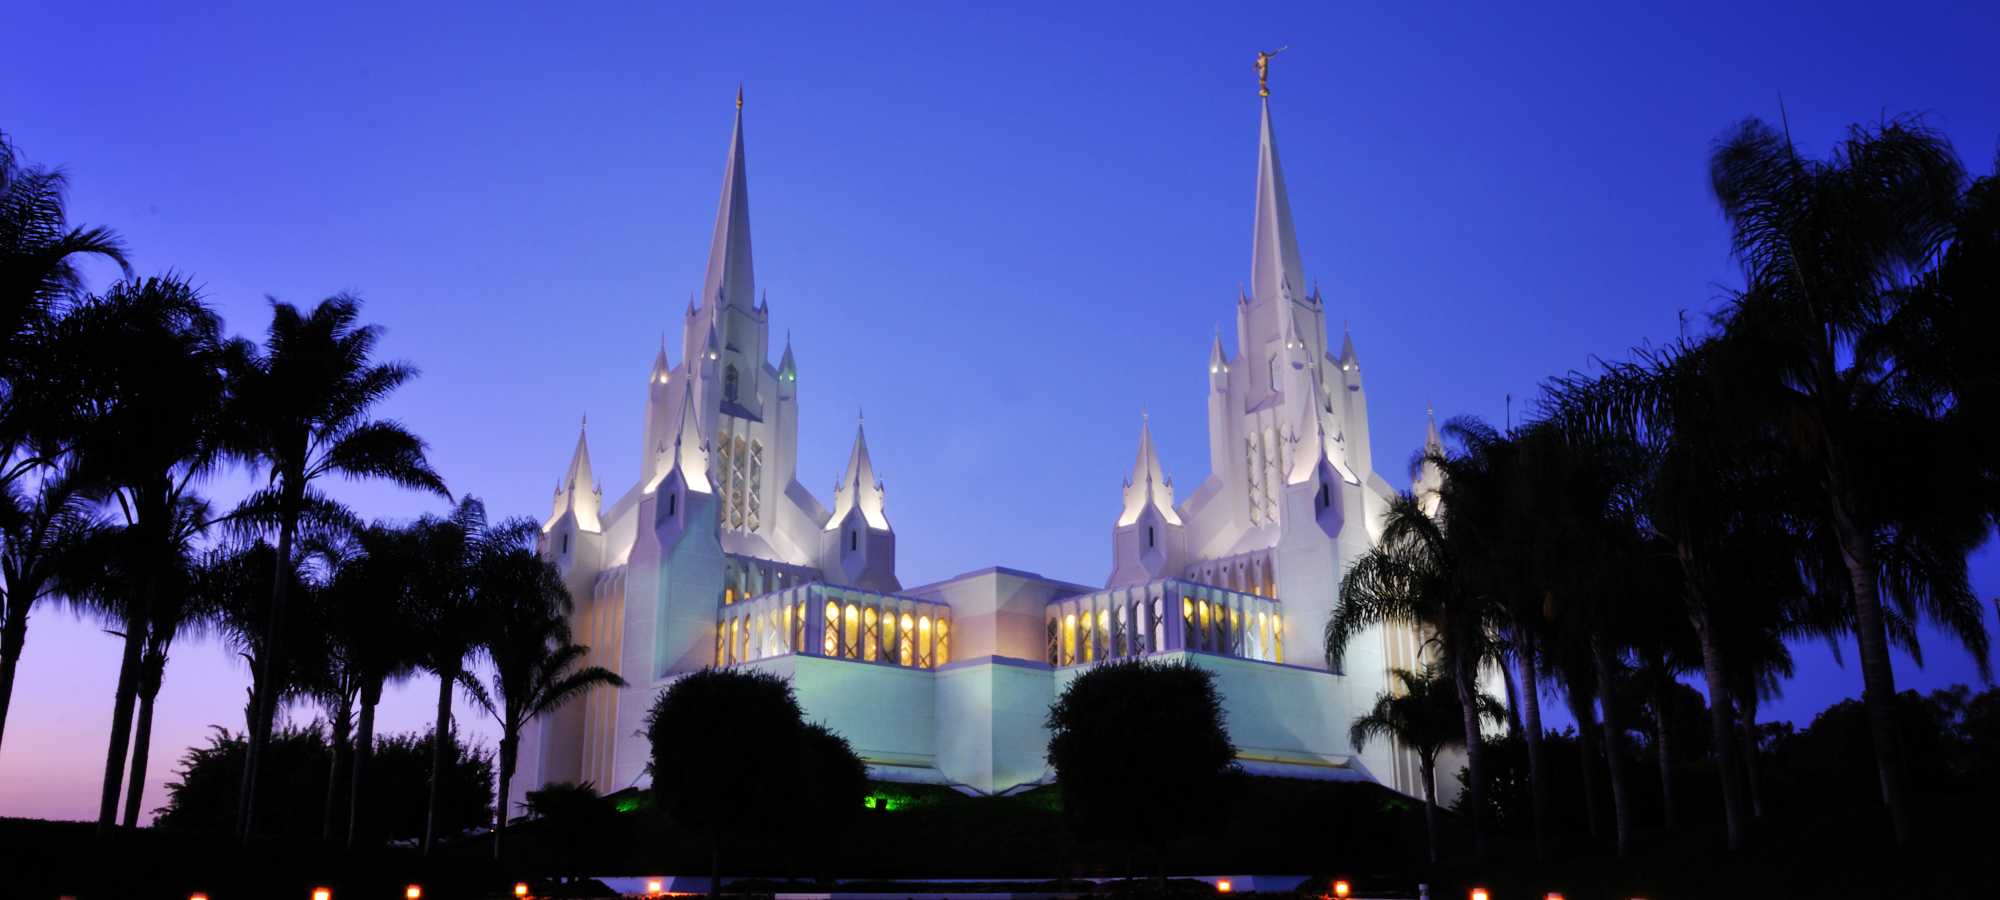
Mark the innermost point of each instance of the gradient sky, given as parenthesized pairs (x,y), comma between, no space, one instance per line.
(1004,230)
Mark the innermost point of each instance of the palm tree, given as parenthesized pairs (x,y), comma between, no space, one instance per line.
(180,607)
(1421,712)
(458,590)
(1829,250)
(45,529)
(373,623)
(1696,460)
(1413,578)
(535,666)
(304,400)
(39,251)
(147,361)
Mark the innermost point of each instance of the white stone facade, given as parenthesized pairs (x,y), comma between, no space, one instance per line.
(717,555)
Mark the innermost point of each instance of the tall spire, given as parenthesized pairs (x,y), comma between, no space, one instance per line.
(730,278)
(688,452)
(660,366)
(858,486)
(1275,272)
(1147,485)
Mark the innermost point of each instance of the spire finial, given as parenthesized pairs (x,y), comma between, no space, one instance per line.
(1264,70)
(739,95)
(585,424)
(860,415)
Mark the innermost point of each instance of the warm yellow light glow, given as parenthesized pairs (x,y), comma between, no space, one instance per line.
(520,889)
(413,892)
(1479,894)
(655,886)
(1553,895)
(1224,887)
(322,893)
(943,641)
(1340,889)
(197,895)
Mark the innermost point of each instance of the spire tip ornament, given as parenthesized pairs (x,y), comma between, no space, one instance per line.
(739,92)
(1264,70)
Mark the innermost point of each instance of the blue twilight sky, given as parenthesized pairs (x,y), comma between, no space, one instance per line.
(1003,229)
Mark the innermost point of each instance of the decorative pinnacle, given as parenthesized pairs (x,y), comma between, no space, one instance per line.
(585,424)
(739,95)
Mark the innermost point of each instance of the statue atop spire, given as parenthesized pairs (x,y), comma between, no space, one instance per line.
(1263,71)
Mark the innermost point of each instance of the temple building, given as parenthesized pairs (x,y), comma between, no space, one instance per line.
(715,554)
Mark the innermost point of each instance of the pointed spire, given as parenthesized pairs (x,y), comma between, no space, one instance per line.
(730,276)
(788,369)
(1274,254)
(577,491)
(1217,361)
(689,452)
(858,486)
(659,375)
(1147,485)
(1431,439)
(1348,361)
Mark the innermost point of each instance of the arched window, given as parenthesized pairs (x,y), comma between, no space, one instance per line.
(1055,644)
(871,635)
(729,384)
(851,633)
(906,640)
(924,642)
(1069,639)
(943,641)
(830,628)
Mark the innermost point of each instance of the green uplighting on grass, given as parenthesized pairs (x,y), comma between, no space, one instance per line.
(884,801)
(626,804)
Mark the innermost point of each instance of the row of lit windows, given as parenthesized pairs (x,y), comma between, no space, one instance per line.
(777,625)
(747,577)
(1105,626)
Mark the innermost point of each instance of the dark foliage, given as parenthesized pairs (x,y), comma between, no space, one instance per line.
(292,800)
(1140,750)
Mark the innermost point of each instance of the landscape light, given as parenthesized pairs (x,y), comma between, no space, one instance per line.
(1340,889)
(413,892)
(520,889)
(320,893)
(1224,887)
(197,895)
(1554,895)
(1479,894)
(655,886)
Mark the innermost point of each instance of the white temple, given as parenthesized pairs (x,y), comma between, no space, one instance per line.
(716,555)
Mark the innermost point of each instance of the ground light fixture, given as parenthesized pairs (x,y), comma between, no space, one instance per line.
(520,889)
(1553,895)
(1224,887)
(322,893)
(655,886)
(1479,893)
(1340,889)
(413,892)
(197,895)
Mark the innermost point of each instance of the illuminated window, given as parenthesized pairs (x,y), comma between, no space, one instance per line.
(1263,635)
(1190,639)
(1118,628)
(830,646)
(850,645)
(789,643)
(1277,638)
(799,628)
(729,595)
(721,645)
(734,627)
(1069,639)
(923,642)
(743,641)
(1202,632)
(1235,631)
(1103,633)
(943,641)
(871,635)
(1055,643)
(906,638)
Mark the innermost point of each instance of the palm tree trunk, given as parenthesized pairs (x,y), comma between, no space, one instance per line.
(142,740)
(266,705)
(121,707)
(510,746)
(364,748)
(1614,743)
(1582,705)
(1878,677)
(439,740)
(715,866)
(1431,806)
(13,638)
(1538,780)
(1748,730)
(1475,754)
(1663,747)
(1722,722)
(343,720)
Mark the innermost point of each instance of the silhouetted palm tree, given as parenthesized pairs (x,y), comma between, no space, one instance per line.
(1829,250)
(535,666)
(1413,578)
(457,592)
(45,529)
(1422,712)
(373,622)
(180,607)
(304,405)
(147,360)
